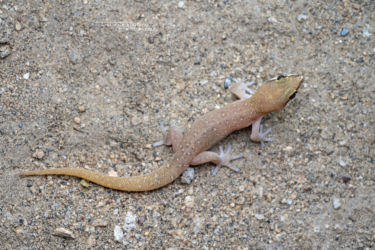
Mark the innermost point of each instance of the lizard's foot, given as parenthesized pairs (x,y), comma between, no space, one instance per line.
(257,133)
(262,136)
(242,89)
(224,160)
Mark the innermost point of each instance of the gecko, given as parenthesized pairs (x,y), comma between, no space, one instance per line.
(190,148)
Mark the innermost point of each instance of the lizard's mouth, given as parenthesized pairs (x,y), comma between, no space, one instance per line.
(299,85)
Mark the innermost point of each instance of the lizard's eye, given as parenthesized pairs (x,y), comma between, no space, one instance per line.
(292,96)
(280,77)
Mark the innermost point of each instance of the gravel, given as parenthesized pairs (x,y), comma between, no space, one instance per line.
(89,82)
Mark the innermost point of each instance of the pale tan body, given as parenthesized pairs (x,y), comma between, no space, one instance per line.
(204,133)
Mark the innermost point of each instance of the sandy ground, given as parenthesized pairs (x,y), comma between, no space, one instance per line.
(85,84)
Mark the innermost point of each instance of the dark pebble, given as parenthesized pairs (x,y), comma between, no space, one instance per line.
(346,179)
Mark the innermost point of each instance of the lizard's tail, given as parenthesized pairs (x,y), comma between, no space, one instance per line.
(154,180)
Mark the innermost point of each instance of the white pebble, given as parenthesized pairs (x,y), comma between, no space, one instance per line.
(189,201)
(259,216)
(272,19)
(63,233)
(18,26)
(342,163)
(302,17)
(26,76)
(203,82)
(366,33)
(181,4)
(39,154)
(198,223)
(336,203)
(118,233)
(77,120)
(115,211)
(130,221)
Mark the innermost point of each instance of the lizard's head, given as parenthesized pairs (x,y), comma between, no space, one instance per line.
(274,94)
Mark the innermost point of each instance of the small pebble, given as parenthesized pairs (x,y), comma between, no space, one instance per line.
(342,163)
(302,17)
(91,241)
(20,124)
(336,203)
(272,19)
(180,191)
(227,82)
(26,76)
(123,157)
(100,223)
(181,4)
(241,200)
(77,120)
(187,176)
(268,197)
(344,32)
(288,149)
(81,109)
(190,190)
(118,233)
(74,57)
(203,82)
(43,19)
(136,120)
(4,52)
(84,183)
(189,201)
(39,154)
(198,224)
(365,31)
(346,179)
(287,201)
(18,26)
(130,221)
(259,216)
(63,233)
(112,173)
(115,211)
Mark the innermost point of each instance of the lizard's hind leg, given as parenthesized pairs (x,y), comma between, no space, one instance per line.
(173,137)
(222,159)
